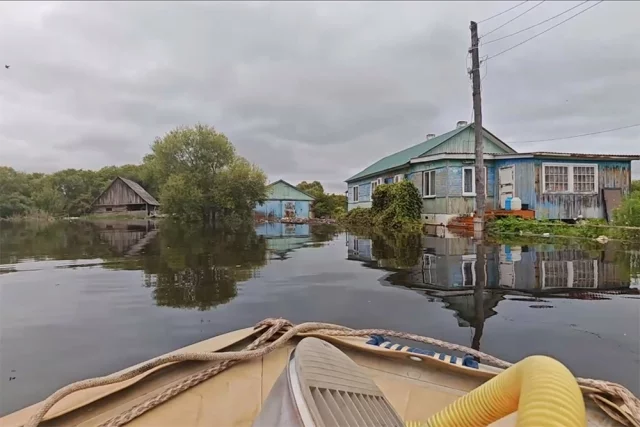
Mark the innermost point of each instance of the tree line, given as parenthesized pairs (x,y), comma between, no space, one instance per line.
(195,173)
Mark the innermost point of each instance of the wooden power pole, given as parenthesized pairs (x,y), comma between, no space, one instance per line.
(478,219)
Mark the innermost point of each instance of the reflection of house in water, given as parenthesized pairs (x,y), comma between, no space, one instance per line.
(284,238)
(127,237)
(447,271)
(359,249)
(449,264)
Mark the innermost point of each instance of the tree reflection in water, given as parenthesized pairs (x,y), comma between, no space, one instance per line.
(200,268)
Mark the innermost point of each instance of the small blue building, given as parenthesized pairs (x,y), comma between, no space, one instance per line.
(285,201)
(553,185)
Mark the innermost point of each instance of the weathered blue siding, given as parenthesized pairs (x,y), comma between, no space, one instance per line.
(302,209)
(529,187)
(525,181)
(278,208)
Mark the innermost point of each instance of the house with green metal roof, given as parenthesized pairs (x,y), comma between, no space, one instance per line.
(442,167)
(552,185)
(284,201)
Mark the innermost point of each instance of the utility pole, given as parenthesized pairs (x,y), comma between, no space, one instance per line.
(478,219)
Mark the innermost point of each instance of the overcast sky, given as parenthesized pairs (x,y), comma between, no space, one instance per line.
(309,91)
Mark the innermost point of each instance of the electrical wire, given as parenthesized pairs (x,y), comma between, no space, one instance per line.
(539,23)
(548,29)
(513,19)
(503,12)
(576,136)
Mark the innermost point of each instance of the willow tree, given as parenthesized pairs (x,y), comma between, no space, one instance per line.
(201,178)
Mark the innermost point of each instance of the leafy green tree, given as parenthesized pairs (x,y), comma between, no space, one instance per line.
(314,188)
(215,181)
(324,205)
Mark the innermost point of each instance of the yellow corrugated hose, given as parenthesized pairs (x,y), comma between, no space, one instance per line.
(540,388)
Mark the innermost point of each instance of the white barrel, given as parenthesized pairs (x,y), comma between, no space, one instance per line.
(516,204)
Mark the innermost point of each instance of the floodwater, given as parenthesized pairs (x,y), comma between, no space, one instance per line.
(79,300)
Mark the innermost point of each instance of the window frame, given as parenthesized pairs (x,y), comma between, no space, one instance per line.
(473,181)
(570,178)
(397,178)
(424,189)
(355,193)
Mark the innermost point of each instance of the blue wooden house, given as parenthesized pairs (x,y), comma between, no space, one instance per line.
(553,185)
(285,201)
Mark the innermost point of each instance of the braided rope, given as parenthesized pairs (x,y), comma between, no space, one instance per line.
(259,348)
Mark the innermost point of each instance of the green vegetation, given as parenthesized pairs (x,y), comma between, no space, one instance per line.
(68,192)
(325,205)
(194,171)
(628,214)
(394,207)
(201,178)
(514,225)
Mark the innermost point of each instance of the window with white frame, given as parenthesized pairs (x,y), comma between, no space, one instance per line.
(468,181)
(429,184)
(468,273)
(584,179)
(566,178)
(374,185)
(398,178)
(355,194)
(486,180)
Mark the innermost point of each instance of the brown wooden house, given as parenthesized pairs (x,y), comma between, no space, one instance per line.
(124,195)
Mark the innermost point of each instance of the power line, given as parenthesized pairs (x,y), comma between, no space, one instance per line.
(502,13)
(539,23)
(513,19)
(548,29)
(576,136)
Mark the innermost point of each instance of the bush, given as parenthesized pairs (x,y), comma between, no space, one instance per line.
(628,213)
(394,207)
(359,217)
(397,206)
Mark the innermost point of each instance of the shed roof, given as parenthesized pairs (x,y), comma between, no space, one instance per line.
(140,191)
(403,157)
(272,196)
(137,188)
(557,155)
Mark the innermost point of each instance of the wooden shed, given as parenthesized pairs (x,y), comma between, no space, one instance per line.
(124,195)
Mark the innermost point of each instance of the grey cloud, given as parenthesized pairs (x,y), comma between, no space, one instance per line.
(306,90)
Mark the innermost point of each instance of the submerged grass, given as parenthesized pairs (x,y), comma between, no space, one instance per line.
(545,229)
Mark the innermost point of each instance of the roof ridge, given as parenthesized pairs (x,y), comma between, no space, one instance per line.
(426,145)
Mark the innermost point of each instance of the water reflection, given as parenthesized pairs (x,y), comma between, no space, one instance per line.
(62,240)
(185,267)
(447,269)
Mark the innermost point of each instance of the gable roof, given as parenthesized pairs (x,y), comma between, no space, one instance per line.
(137,188)
(282,181)
(403,157)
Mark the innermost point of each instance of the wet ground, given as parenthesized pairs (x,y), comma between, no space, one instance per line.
(79,300)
